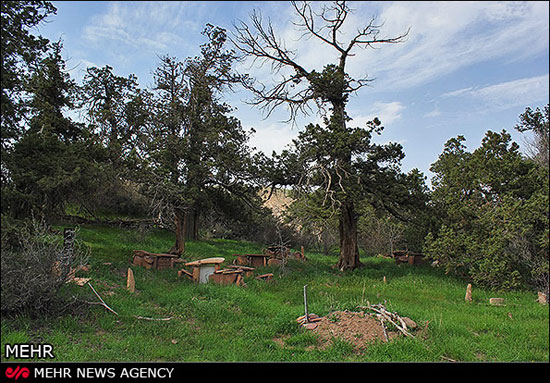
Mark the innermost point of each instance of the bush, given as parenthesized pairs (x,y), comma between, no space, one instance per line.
(36,268)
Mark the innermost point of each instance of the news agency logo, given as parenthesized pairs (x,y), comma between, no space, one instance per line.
(17,372)
(29,351)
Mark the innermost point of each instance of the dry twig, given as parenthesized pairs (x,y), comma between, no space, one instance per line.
(152,319)
(101,299)
(390,317)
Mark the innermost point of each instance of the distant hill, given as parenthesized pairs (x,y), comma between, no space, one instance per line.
(278,202)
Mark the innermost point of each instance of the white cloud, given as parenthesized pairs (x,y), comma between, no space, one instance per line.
(444,37)
(78,71)
(447,36)
(155,26)
(434,113)
(519,92)
(457,92)
(387,113)
(273,137)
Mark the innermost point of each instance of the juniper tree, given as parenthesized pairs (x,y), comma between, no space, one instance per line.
(20,49)
(538,123)
(197,154)
(116,110)
(337,160)
(52,162)
(493,214)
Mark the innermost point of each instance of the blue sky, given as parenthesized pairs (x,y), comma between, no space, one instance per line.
(466,67)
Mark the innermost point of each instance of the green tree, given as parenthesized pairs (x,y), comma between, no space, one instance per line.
(494,214)
(20,50)
(337,159)
(538,123)
(50,163)
(197,154)
(116,111)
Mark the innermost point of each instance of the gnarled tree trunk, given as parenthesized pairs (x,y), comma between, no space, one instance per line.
(349,250)
(181,224)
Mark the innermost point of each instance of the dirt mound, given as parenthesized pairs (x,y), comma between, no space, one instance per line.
(357,328)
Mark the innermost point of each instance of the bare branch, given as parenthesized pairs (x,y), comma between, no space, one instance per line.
(298,89)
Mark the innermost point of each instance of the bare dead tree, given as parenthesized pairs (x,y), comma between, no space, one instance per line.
(260,42)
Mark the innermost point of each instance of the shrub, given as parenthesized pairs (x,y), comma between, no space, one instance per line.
(36,268)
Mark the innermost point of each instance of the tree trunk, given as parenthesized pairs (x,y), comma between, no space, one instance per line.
(181,224)
(192,224)
(349,250)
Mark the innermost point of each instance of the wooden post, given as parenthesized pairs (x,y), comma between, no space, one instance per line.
(305,304)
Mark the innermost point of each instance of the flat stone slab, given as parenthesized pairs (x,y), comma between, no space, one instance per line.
(496,301)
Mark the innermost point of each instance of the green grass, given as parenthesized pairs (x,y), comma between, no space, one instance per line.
(231,323)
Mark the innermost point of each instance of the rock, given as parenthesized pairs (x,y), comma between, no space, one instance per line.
(410,323)
(496,301)
(543,299)
(468,297)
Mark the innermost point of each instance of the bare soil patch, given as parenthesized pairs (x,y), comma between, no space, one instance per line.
(358,328)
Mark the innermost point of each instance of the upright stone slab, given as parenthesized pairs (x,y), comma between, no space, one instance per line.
(468,297)
(131,282)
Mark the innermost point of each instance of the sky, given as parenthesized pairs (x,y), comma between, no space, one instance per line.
(464,69)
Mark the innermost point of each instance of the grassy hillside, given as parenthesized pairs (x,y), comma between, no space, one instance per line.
(257,322)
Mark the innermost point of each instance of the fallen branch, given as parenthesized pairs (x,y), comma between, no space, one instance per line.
(101,299)
(449,359)
(381,319)
(390,317)
(152,319)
